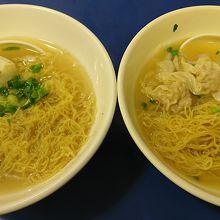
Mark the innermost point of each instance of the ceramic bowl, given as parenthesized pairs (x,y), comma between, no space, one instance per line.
(43,23)
(162,32)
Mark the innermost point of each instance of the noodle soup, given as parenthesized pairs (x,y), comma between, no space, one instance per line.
(178,109)
(47,109)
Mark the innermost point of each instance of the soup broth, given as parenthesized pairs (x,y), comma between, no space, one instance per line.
(54,108)
(179,119)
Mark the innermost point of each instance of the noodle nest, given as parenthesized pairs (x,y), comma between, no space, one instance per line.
(38,142)
(189,139)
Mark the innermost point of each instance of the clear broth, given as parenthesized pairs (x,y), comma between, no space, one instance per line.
(207,181)
(10,184)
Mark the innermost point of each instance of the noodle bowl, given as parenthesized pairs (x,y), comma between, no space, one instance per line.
(42,139)
(174,126)
(81,127)
(180,117)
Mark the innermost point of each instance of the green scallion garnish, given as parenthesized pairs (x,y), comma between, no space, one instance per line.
(215,110)
(173,52)
(36,68)
(21,93)
(11,48)
(175,26)
(144,105)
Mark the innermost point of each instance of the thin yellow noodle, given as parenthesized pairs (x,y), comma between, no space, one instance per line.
(41,140)
(189,139)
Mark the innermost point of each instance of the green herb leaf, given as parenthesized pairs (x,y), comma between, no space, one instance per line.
(36,68)
(25,92)
(217,52)
(215,110)
(42,92)
(27,104)
(174,52)
(10,108)
(153,101)
(2,110)
(4,91)
(195,178)
(144,105)
(16,83)
(175,26)
(9,121)
(7,109)
(11,48)
(34,94)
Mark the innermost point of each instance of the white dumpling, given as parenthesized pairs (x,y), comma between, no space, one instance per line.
(173,95)
(207,73)
(7,70)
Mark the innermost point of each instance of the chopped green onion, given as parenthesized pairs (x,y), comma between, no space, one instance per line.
(215,110)
(2,110)
(217,52)
(36,68)
(21,93)
(27,104)
(11,48)
(144,105)
(175,26)
(195,177)
(10,108)
(173,52)
(42,92)
(4,91)
(16,83)
(9,121)
(7,109)
(153,101)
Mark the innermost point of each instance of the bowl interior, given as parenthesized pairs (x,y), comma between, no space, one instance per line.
(42,23)
(159,33)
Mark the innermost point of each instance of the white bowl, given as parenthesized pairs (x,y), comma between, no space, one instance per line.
(66,32)
(191,21)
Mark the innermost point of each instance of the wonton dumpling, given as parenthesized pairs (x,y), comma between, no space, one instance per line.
(174,95)
(207,73)
(179,79)
(7,70)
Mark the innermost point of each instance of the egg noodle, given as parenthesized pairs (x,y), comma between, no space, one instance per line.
(179,112)
(39,141)
(190,139)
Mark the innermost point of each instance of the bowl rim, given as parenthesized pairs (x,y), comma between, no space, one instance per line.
(171,175)
(86,155)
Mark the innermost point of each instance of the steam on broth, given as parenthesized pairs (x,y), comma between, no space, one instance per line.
(47,108)
(178,108)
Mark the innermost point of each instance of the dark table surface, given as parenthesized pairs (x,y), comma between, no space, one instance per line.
(118,182)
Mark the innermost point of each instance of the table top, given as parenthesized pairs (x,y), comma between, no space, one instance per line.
(118,182)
